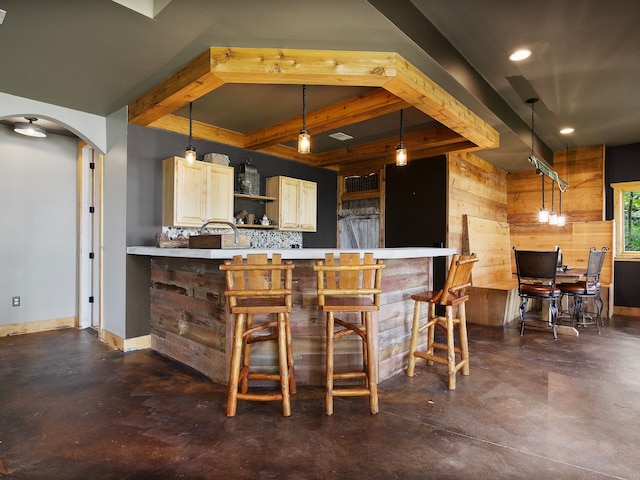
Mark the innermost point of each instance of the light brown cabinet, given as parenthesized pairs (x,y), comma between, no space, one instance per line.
(295,205)
(194,194)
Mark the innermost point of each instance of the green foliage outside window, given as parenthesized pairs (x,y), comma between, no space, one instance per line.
(632,221)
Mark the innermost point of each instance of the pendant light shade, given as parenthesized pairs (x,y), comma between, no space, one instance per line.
(190,152)
(561,218)
(29,128)
(401,149)
(304,138)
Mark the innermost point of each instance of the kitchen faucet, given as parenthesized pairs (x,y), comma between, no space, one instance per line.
(236,240)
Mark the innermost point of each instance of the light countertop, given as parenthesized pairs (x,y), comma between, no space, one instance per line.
(289,253)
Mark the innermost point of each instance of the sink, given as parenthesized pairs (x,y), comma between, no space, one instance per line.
(218,241)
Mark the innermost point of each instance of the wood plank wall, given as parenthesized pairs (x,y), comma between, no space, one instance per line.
(476,188)
(581,168)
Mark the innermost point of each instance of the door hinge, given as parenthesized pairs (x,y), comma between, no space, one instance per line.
(91,255)
(92,165)
(92,209)
(91,299)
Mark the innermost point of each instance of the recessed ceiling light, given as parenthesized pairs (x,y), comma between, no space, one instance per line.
(567,130)
(341,136)
(519,55)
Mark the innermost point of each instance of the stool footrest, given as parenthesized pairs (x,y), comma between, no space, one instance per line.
(260,397)
(351,392)
(348,375)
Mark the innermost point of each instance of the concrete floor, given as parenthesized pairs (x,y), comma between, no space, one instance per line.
(71,408)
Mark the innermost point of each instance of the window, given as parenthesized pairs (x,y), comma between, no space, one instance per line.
(626,212)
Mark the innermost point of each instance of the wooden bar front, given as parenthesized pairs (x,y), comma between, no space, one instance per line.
(190,321)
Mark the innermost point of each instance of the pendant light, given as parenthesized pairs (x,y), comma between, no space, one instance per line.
(401,150)
(543,215)
(553,216)
(561,218)
(304,138)
(190,152)
(30,129)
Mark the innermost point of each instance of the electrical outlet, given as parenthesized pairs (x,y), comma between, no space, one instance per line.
(15,301)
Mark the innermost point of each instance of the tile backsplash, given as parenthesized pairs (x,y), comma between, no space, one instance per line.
(258,238)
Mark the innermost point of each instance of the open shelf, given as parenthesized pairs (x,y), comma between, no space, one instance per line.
(260,198)
(265,227)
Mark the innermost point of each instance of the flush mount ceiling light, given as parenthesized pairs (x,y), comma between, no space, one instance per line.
(567,130)
(520,55)
(30,129)
(401,149)
(190,152)
(304,138)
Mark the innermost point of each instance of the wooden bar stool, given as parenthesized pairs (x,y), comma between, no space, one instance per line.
(352,288)
(452,295)
(259,287)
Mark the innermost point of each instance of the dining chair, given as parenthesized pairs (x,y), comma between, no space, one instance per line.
(352,287)
(580,292)
(453,294)
(536,272)
(257,287)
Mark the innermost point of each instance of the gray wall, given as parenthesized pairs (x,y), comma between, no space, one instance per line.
(38,208)
(146,149)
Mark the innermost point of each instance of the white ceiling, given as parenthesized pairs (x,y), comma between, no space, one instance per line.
(97,56)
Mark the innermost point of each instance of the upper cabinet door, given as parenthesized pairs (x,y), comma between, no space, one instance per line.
(219,193)
(194,194)
(308,195)
(295,205)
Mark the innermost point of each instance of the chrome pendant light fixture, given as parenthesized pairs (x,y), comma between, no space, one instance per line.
(553,216)
(304,138)
(561,218)
(401,149)
(543,214)
(190,152)
(29,128)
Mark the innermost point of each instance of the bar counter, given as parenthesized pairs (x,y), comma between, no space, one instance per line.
(190,322)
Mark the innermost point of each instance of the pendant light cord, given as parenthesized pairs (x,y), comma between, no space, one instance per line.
(190,122)
(304,107)
(401,115)
(532,126)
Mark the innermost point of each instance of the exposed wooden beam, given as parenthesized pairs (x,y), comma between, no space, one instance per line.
(434,137)
(423,93)
(353,110)
(202,131)
(298,67)
(186,85)
(402,85)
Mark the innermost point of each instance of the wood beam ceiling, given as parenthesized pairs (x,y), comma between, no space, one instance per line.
(399,85)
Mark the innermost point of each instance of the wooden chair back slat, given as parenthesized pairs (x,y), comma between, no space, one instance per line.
(258,277)
(458,278)
(349,276)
